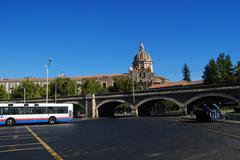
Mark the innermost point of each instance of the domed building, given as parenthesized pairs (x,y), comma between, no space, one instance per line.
(143,60)
(142,70)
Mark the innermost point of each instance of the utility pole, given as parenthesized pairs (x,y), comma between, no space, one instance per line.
(55,92)
(47,66)
(24,95)
(133,89)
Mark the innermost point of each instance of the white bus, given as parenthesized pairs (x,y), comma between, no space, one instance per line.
(11,114)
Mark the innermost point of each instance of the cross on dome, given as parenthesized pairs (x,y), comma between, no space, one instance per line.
(141,46)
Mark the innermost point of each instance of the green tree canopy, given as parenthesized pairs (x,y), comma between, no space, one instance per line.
(123,84)
(3,93)
(31,90)
(225,68)
(211,74)
(63,86)
(237,71)
(91,87)
(186,73)
(220,71)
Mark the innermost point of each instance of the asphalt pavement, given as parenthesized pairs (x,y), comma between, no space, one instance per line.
(148,138)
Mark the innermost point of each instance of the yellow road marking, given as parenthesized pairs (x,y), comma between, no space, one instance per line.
(16,145)
(226,134)
(45,145)
(23,149)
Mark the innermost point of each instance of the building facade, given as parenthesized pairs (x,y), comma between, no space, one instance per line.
(141,71)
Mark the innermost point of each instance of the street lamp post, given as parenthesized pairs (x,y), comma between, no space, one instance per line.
(86,104)
(47,66)
(55,92)
(24,95)
(133,92)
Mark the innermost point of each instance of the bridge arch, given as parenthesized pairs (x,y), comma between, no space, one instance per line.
(158,98)
(111,100)
(107,108)
(211,95)
(72,102)
(156,106)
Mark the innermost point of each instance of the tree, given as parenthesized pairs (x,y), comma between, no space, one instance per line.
(237,72)
(220,71)
(31,90)
(91,87)
(3,93)
(123,84)
(225,68)
(186,73)
(122,108)
(63,86)
(211,74)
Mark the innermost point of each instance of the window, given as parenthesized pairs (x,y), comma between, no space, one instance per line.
(57,109)
(61,110)
(7,110)
(23,110)
(50,110)
(104,85)
(19,110)
(40,110)
(32,110)
(142,75)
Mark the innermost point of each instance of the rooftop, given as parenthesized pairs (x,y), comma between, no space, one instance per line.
(173,84)
(4,80)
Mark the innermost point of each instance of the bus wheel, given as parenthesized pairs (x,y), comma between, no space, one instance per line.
(52,120)
(10,122)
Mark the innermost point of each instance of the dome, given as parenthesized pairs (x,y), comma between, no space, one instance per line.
(142,55)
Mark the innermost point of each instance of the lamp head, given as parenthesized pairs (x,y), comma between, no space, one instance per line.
(130,69)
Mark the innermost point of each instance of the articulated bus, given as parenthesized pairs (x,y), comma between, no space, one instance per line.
(11,114)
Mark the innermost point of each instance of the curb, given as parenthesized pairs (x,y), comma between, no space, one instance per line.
(218,121)
(188,118)
(229,122)
(82,119)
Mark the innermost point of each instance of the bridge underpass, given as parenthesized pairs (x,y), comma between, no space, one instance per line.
(158,107)
(108,109)
(78,110)
(208,101)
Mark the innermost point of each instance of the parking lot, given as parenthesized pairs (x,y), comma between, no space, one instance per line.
(123,138)
(19,143)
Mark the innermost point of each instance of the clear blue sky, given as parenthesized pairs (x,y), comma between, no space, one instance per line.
(89,37)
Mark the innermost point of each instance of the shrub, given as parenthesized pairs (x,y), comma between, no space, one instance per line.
(237,109)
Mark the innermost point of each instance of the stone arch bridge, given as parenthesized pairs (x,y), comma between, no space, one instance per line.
(182,96)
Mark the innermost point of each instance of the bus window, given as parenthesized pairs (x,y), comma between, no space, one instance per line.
(19,110)
(31,110)
(61,110)
(50,110)
(22,110)
(40,110)
(7,110)
(57,110)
